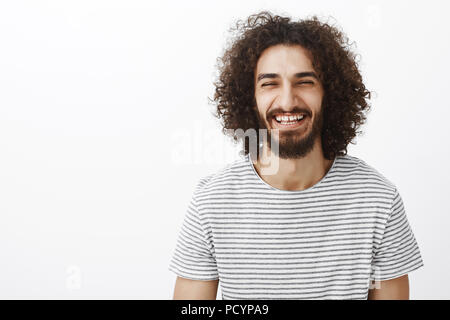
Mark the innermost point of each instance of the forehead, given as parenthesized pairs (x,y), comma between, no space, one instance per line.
(284,59)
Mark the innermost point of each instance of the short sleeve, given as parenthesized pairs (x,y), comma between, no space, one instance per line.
(193,256)
(398,252)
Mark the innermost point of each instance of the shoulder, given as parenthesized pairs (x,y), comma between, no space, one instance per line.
(231,174)
(366,173)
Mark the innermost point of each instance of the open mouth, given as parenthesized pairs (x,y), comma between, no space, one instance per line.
(289,121)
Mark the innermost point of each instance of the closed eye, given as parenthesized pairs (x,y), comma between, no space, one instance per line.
(302,82)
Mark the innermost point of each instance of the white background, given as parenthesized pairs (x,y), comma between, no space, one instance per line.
(100,99)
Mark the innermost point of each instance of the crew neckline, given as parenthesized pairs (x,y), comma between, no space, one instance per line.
(321,181)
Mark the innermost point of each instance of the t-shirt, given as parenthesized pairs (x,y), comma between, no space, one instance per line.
(329,241)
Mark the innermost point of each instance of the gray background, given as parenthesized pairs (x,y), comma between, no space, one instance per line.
(105,129)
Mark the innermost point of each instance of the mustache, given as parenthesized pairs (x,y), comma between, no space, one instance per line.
(295,110)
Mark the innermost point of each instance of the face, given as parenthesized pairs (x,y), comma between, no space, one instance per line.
(289,96)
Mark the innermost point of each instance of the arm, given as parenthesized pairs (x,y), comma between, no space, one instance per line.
(187,289)
(393,289)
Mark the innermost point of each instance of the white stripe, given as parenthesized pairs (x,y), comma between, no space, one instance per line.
(325,242)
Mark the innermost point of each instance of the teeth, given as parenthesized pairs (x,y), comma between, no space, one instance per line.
(289,118)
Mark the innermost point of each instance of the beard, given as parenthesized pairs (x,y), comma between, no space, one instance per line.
(291,143)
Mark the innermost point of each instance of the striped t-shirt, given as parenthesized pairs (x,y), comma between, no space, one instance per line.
(325,242)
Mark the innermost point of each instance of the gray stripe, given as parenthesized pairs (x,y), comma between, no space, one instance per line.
(296,232)
(293,263)
(206,194)
(291,223)
(360,256)
(291,238)
(363,279)
(287,228)
(320,243)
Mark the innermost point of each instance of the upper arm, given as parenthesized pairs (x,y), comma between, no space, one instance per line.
(193,259)
(187,289)
(393,289)
(397,253)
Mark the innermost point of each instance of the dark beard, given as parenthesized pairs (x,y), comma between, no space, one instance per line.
(290,145)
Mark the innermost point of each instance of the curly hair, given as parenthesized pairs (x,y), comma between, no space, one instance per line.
(344,101)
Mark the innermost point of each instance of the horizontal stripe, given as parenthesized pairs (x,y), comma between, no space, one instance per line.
(324,242)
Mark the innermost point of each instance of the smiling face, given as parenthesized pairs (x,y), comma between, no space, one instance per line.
(289,96)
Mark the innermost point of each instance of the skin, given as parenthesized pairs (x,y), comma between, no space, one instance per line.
(187,289)
(284,93)
(394,289)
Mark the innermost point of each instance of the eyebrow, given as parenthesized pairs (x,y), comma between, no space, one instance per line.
(276,75)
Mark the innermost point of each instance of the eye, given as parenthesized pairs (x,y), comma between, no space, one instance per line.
(301,82)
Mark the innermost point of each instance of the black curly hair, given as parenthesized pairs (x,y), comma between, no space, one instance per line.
(344,101)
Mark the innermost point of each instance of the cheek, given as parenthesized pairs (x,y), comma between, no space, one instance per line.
(313,100)
(264,102)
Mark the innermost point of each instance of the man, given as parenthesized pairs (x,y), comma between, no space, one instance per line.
(323,224)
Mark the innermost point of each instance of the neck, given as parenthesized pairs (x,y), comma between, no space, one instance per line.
(293,174)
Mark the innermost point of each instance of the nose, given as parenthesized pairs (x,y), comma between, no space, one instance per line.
(287,99)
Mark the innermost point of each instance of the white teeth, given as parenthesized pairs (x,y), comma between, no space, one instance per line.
(289,118)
